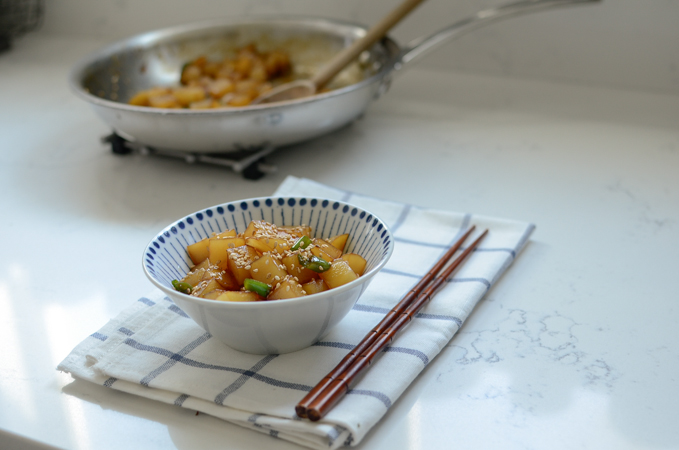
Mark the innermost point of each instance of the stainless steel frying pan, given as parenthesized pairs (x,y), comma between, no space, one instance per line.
(109,77)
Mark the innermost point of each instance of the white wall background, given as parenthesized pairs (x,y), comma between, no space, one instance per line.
(630,44)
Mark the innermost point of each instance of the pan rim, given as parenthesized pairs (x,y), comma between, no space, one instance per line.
(152,38)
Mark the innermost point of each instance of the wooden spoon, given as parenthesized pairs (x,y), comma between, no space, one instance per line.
(304,88)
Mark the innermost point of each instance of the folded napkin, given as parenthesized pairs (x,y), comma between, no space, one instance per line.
(154,350)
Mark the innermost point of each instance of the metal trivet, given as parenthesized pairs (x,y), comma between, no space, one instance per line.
(248,162)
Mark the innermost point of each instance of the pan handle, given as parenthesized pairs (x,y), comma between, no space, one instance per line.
(423,45)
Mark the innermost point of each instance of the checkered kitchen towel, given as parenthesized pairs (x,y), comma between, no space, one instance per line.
(154,350)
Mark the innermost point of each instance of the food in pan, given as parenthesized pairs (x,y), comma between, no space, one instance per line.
(268,262)
(231,82)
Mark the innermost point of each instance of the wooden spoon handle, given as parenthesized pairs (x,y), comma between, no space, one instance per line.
(375,33)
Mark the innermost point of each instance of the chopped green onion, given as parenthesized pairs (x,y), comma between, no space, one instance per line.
(302,242)
(259,288)
(182,287)
(314,263)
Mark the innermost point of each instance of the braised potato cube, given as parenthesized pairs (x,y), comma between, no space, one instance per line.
(316,251)
(226,71)
(205,272)
(243,65)
(164,101)
(267,270)
(191,72)
(269,235)
(204,287)
(212,295)
(295,269)
(198,252)
(196,274)
(189,94)
(325,250)
(356,262)
(258,244)
(201,82)
(239,261)
(208,103)
(339,274)
(220,87)
(225,278)
(339,241)
(218,250)
(205,264)
(315,286)
(258,72)
(140,99)
(288,288)
(252,228)
(211,68)
(297,231)
(225,234)
(280,244)
(158,91)
(238,296)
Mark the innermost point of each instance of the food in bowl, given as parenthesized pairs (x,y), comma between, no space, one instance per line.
(233,81)
(268,262)
(269,327)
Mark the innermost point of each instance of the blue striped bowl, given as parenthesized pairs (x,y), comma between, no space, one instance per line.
(270,327)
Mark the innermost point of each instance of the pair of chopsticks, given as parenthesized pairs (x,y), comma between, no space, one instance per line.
(337,383)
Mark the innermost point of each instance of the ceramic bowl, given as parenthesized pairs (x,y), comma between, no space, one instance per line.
(277,326)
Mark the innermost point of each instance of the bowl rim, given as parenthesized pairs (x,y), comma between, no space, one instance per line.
(272,303)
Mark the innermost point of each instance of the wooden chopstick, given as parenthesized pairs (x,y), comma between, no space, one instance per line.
(337,388)
(334,385)
(369,339)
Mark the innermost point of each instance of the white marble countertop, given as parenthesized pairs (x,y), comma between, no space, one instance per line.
(575,347)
